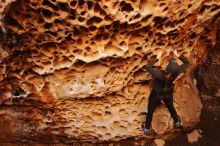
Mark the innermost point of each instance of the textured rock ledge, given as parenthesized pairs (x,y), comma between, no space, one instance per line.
(77,66)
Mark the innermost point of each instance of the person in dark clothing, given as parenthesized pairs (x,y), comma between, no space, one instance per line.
(163,88)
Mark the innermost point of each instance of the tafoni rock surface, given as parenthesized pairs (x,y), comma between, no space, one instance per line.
(72,70)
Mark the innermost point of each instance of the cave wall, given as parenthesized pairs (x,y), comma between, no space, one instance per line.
(74,69)
(208,73)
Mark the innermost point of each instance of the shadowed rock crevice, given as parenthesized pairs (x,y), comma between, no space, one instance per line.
(208,73)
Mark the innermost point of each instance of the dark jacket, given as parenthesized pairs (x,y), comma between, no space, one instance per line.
(161,82)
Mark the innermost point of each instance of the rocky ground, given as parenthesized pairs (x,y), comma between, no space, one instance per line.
(209,125)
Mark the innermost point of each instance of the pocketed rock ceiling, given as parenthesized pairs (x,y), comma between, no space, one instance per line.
(74,68)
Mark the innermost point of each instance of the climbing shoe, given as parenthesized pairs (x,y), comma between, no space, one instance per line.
(177,124)
(146,131)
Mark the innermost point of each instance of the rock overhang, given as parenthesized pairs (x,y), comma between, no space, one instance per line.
(85,58)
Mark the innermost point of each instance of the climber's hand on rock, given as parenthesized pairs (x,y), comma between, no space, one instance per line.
(176,53)
(153,57)
(152,61)
(184,54)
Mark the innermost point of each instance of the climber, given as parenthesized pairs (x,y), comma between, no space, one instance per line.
(163,88)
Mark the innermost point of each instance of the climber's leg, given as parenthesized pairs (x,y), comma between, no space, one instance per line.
(152,104)
(170,106)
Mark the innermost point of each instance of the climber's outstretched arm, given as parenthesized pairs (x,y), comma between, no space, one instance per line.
(185,64)
(185,61)
(155,73)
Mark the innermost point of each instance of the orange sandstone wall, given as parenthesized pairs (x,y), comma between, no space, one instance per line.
(77,66)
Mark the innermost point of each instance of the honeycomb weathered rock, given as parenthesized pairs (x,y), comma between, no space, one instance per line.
(75,66)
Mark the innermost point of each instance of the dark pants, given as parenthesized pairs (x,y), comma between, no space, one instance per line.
(154,100)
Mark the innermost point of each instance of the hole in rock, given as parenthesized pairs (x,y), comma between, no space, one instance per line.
(124,32)
(173,33)
(124,25)
(137,16)
(150,34)
(92,20)
(165,9)
(106,36)
(73,3)
(46,13)
(116,24)
(80,62)
(159,34)
(108,112)
(72,17)
(26,16)
(76,31)
(67,32)
(11,21)
(47,25)
(57,21)
(97,8)
(138,48)
(89,4)
(101,29)
(108,26)
(103,13)
(92,28)
(98,37)
(162,4)
(169,44)
(145,29)
(63,6)
(122,43)
(190,45)
(181,13)
(107,18)
(215,8)
(88,48)
(68,24)
(193,35)
(122,3)
(69,38)
(127,7)
(59,38)
(147,17)
(81,2)
(79,41)
(159,20)
(81,19)
(180,21)
(98,20)
(161,44)
(168,23)
(34,4)
(83,13)
(203,9)
(83,29)
(47,3)
(189,5)
(115,30)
